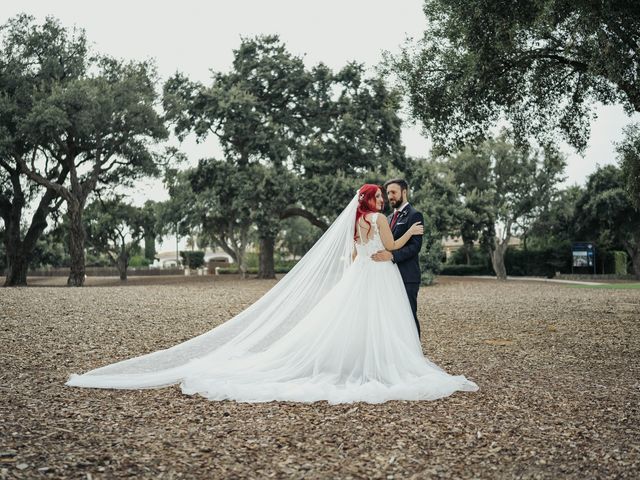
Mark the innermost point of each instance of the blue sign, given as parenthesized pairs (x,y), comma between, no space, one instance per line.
(584,255)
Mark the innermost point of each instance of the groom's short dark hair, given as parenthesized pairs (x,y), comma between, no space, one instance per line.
(400,181)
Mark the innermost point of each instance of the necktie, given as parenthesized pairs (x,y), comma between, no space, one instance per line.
(394,219)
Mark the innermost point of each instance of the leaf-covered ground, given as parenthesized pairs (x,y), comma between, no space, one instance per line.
(558,370)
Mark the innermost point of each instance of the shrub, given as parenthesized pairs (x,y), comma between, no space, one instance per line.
(252,260)
(538,263)
(616,262)
(139,261)
(280,267)
(235,270)
(193,259)
(477,256)
(427,278)
(466,270)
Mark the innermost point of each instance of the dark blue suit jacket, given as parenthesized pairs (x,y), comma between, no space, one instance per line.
(407,257)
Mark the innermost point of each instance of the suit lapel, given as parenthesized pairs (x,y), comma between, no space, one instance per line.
(401,216)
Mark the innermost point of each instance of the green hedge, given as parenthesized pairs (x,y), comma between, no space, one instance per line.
(538,263)
(233,270)
(285,268)
(466,270)
(535,263)
(139,261)
(616,262)
(193,259)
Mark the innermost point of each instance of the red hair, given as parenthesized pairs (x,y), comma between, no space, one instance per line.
(366,204)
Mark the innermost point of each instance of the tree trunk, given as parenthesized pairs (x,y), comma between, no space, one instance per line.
(635,263)
(241,259)
(150,247)
(123,263)
(633,249)
(17,266)
(17,263)
(468,246)
(497,258)
(19,249)
(237,251)
(12,218)
(267,266)
(76,245)
(242,267)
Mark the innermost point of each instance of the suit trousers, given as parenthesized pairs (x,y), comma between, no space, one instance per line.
(412,293)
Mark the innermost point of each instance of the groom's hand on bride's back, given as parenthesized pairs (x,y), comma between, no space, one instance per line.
(382,256)
(417,228)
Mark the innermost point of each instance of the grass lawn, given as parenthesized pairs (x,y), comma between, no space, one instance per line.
(611,286)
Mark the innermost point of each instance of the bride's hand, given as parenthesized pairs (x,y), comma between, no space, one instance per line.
(417,229)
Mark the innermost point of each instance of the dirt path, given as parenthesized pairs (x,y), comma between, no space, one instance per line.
(558,369)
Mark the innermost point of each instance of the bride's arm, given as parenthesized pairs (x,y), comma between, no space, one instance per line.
(354,254)
(387,237)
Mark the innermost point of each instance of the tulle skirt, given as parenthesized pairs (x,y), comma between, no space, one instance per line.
(358,344)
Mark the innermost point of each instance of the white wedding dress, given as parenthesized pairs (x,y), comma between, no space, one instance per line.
(348,341)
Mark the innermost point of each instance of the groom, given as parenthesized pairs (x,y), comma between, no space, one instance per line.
(406,258)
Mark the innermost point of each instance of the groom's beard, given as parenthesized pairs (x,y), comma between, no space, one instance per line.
(395,203)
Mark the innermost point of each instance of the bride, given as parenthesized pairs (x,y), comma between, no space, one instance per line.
(338,327)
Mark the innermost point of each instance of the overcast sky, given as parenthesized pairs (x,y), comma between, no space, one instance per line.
(194,37)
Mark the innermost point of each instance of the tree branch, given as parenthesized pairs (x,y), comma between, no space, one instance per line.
(97,169)
(36,177)
(301,212)
(6,166)
(549,55)
(5,207)
(39,218)
(110,255)
(228,250)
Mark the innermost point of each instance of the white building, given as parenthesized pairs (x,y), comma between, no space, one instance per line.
(167,259)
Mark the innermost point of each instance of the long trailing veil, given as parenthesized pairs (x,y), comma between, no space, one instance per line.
(252,330)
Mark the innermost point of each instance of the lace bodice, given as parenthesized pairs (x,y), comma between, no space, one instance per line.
(365,247)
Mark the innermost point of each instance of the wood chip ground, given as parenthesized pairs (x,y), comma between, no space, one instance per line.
(558,369)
